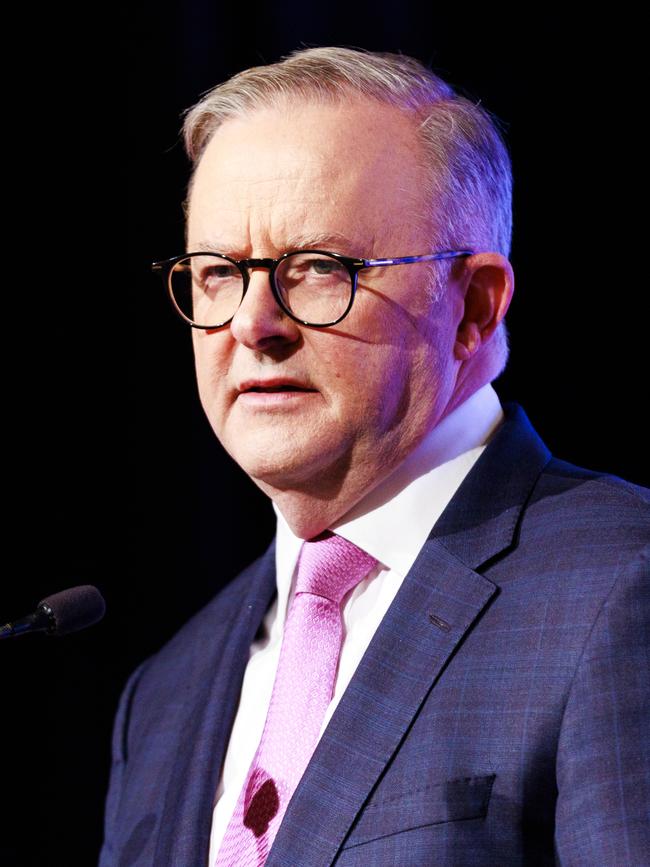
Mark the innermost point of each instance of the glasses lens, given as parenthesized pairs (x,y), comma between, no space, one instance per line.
(315,287)
(207,289)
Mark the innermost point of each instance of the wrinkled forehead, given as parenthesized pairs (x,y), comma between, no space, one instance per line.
(316,165)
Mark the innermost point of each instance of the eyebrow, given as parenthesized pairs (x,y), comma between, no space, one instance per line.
(334,242)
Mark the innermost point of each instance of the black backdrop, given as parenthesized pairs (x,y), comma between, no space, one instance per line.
(112,475)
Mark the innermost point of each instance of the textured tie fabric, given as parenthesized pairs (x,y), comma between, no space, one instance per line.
(328,568)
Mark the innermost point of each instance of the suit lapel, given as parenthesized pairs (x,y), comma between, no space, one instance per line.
(203,729)
(440,599)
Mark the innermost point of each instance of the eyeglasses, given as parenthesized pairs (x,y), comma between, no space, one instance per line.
(313,287)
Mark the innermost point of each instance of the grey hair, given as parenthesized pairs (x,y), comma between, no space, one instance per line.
(469,179)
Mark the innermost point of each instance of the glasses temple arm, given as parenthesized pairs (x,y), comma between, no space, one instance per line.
(405,260)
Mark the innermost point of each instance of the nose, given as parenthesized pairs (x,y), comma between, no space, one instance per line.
(260,322)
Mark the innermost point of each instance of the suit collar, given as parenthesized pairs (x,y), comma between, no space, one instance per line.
(481,518)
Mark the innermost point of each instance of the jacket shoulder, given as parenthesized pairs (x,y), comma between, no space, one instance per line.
(577,496)
(611,485)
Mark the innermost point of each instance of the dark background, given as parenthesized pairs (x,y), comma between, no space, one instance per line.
(112,475)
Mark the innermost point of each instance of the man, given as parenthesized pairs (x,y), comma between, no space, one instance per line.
(484,698)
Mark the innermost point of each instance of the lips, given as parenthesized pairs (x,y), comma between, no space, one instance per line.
(270,389)
(273,386)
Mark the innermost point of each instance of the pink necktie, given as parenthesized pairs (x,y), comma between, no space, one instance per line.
(328,568)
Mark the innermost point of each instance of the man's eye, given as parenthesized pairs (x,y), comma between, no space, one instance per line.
(217,273)
(325,266)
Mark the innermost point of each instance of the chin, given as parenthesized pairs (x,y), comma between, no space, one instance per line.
(284,465)
(277,467)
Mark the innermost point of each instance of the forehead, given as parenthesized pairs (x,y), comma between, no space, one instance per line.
(309,169)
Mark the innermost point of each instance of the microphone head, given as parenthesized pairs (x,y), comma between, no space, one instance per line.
(73,609)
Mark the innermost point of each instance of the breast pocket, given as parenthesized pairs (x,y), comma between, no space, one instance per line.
(450,801)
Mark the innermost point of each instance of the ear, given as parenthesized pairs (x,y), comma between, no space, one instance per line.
(487,282)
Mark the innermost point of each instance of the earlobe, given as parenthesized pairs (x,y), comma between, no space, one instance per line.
(489,285)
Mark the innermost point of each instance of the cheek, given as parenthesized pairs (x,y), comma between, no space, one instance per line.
(201,365)
(211,366)
(370,386)
(408,380)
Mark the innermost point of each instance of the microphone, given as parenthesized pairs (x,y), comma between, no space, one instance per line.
(60,613)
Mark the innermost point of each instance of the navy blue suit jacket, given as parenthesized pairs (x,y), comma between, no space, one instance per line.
(499,716)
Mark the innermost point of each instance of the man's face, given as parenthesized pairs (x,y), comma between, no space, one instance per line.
(332,410)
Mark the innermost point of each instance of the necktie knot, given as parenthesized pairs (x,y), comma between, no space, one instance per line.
(330,566)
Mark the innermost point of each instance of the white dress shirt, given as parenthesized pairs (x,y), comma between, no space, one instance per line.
(392,524)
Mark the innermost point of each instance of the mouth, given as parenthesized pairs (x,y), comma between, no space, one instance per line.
(274,387)
(275,395)
(258,389)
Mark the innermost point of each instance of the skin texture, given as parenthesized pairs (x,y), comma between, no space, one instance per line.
(340,178)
